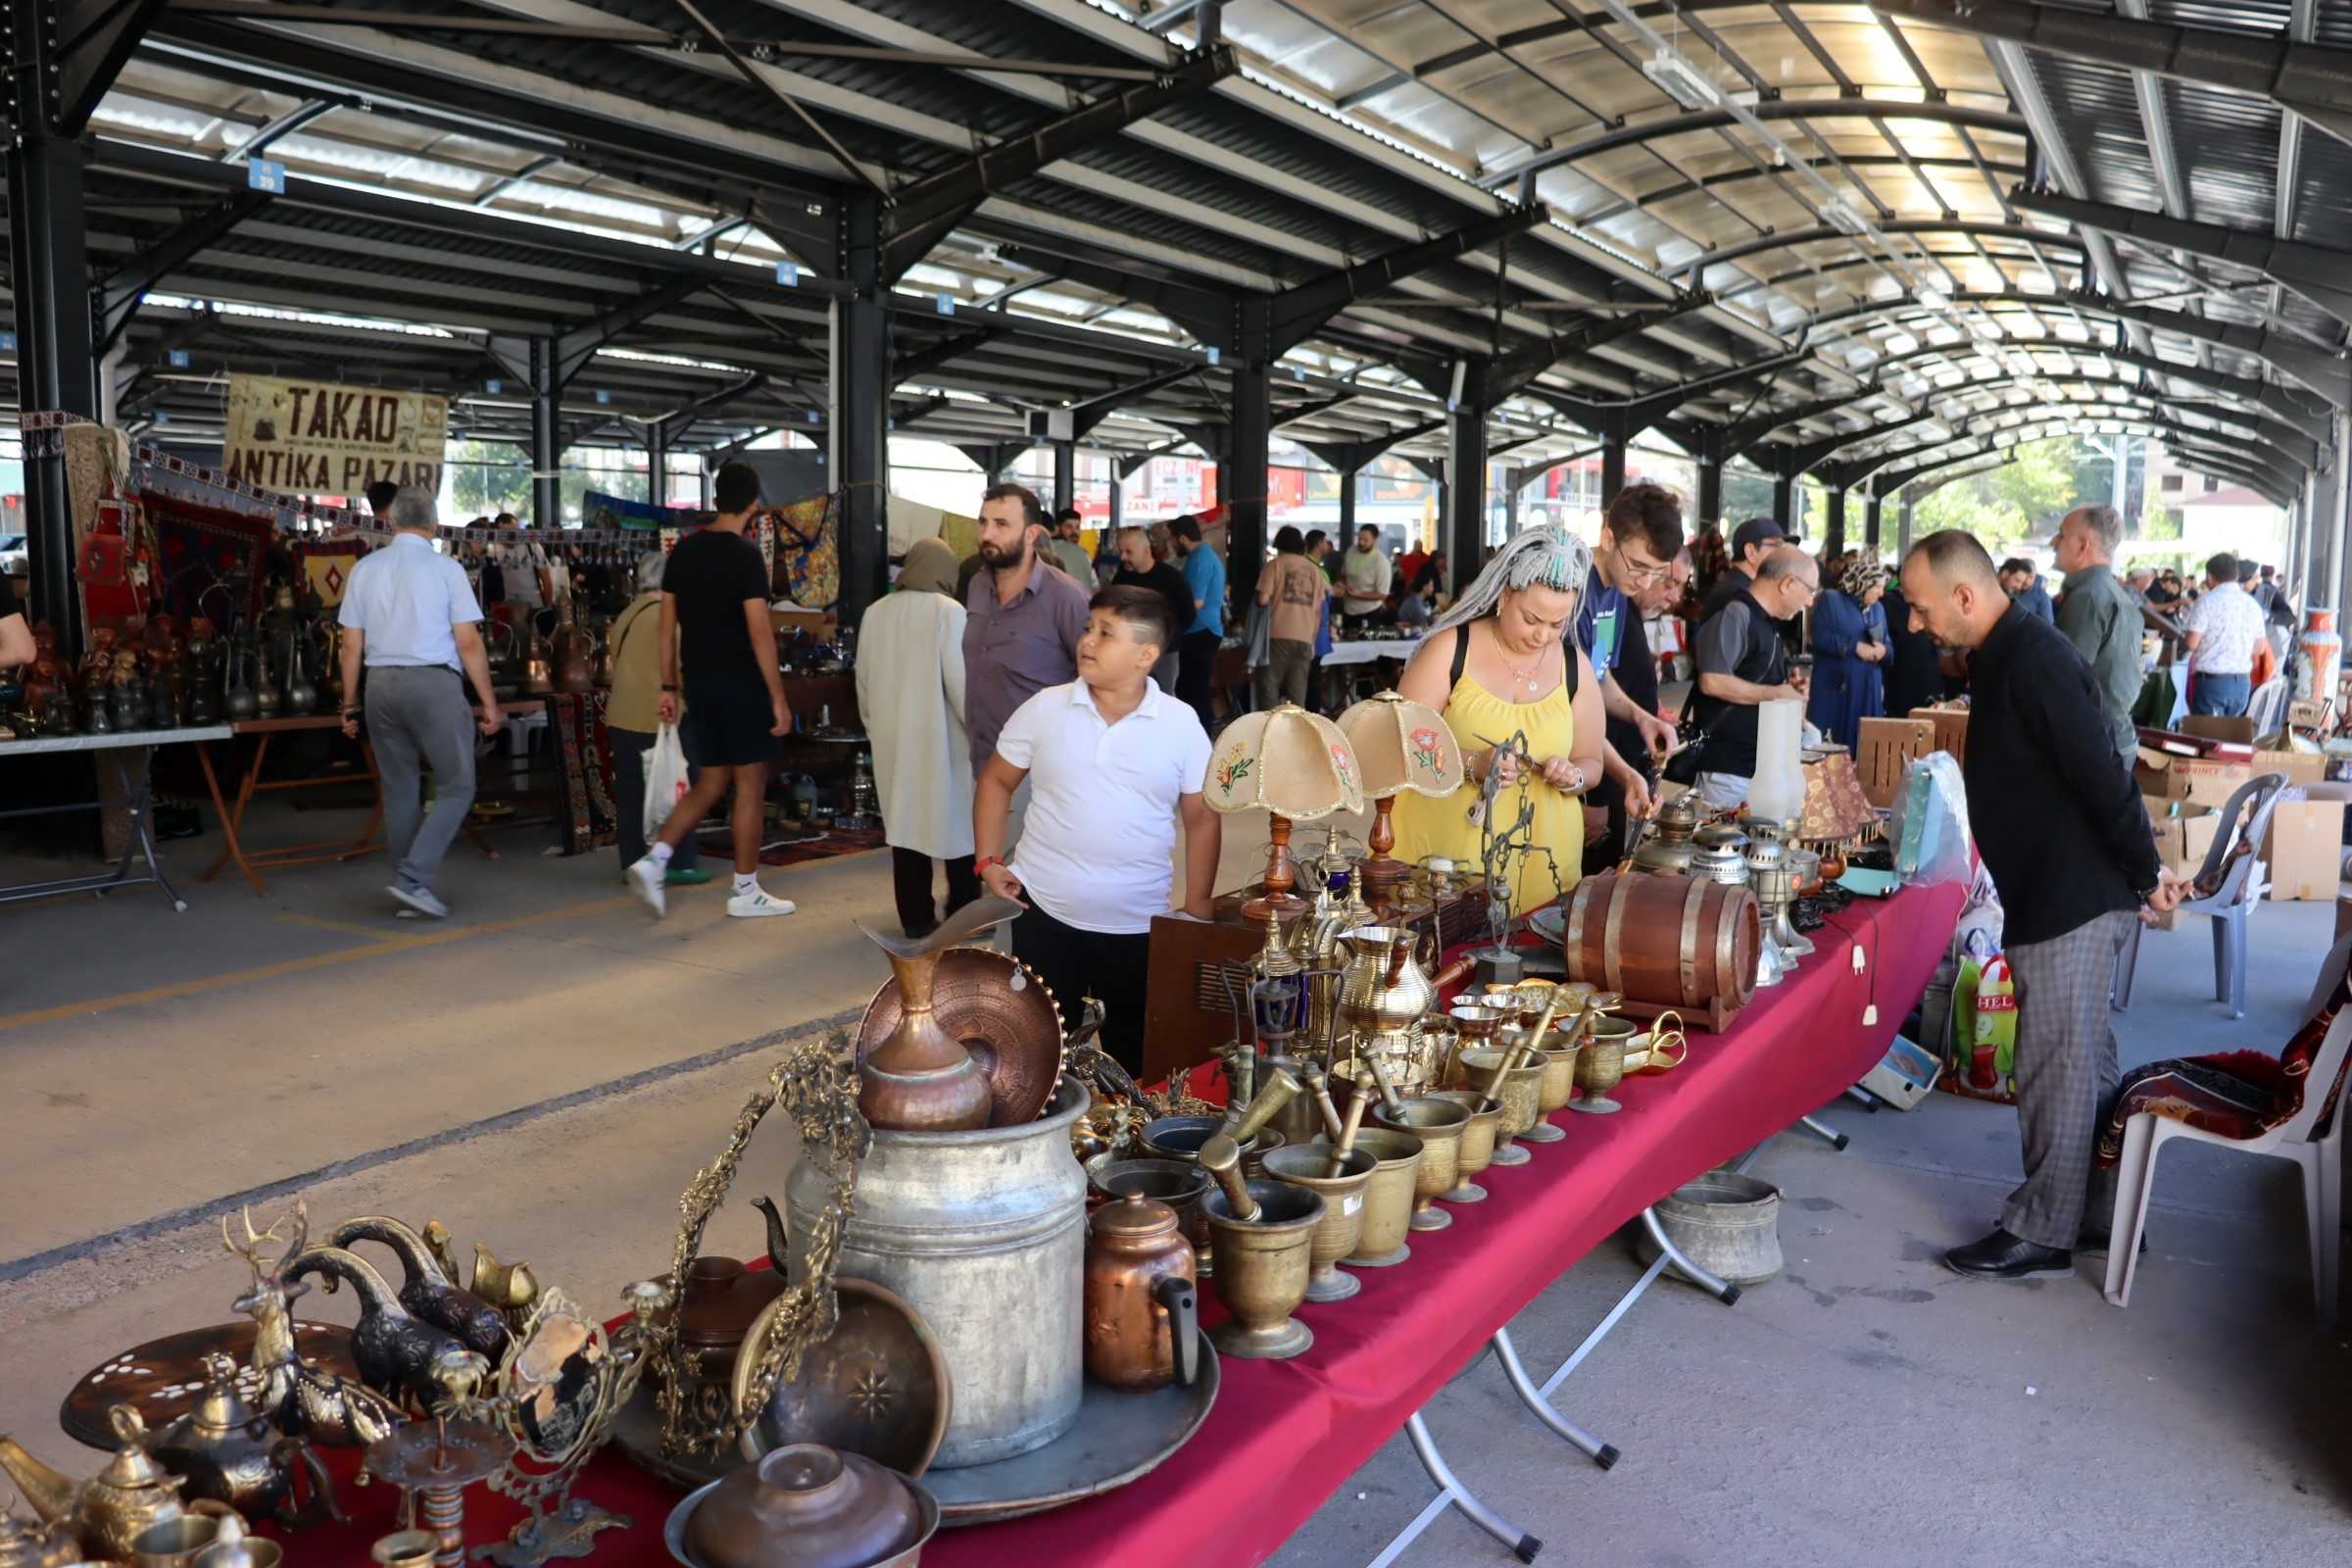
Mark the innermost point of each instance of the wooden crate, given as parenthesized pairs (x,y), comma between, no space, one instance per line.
(1951,730)
(1886,748)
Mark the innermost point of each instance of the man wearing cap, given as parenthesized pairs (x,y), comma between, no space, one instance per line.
(1751,542)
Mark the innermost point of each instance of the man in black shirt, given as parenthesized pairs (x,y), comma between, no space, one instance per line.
(714,622)
(1750,543)
(2067,840)
(1138,569)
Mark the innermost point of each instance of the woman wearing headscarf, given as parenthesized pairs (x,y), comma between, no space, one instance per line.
(1849,653)
(910,699)
(1500,664)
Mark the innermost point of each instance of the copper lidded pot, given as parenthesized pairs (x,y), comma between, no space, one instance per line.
(1143,1328)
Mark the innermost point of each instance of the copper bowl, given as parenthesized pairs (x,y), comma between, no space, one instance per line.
(878,1386)
(1004,1016)
(805,1506)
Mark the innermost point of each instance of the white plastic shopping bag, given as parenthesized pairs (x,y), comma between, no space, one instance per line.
(666,782)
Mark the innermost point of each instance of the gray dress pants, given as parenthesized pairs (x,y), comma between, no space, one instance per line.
(417,717)
(2066,1080)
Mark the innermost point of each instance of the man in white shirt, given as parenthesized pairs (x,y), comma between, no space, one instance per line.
(1112,761)
(1365,576)
(408,616)
(522,567)
(2223,631)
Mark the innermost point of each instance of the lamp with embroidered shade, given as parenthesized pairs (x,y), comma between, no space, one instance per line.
(1297,768)
(1400,745)
(1835,812)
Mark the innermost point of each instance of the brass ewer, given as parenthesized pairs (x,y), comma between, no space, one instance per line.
(921,1079)
(1382,991)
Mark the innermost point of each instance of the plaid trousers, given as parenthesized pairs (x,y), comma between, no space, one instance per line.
(2066,1079)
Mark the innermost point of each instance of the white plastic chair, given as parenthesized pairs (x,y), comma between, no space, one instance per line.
(2245,819)
(2320,1152)
(2267,708)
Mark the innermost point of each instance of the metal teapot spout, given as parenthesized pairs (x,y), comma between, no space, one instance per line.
(50,1494)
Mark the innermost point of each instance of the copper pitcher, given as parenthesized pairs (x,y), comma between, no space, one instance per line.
(1142,1315)
(574,655)
(538,677)
(923,1079)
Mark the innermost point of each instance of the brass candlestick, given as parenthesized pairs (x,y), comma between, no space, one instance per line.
(436,1460)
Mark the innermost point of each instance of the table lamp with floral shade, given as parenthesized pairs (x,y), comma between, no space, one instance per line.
(1297,768)
(1400,745)
(1836,814)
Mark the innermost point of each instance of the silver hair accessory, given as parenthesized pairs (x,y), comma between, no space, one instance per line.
(1542,557)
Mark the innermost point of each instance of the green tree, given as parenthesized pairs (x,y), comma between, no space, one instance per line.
(2020,499)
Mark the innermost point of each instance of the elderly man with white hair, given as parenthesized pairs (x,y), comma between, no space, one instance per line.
(408,616)
(2097,615)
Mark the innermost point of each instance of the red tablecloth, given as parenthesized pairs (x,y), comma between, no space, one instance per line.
(1285,1434)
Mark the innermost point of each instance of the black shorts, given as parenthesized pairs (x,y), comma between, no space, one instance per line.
(726,724)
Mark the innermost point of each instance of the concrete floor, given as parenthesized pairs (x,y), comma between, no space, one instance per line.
(545,1072)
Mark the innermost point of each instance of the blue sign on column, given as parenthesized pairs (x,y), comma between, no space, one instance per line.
(266,174)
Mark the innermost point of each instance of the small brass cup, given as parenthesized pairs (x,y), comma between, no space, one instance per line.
(1478,1145)
(406,1549)
(1342,1224)
(175,1542)
(1262,1270)
(1518,1093)
(1601,1067)
(1438,1124)
(1389,1200)
(1558,1088)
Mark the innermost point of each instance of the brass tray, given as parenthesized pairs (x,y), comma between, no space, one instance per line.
(877,1386)
(1117,1438)
(1013,1033)
(162,1378)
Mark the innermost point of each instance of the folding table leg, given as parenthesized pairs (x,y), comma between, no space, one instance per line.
(1722,1290)
(141,796)
(1603,1454)
(1450,1491)
(1825,1132)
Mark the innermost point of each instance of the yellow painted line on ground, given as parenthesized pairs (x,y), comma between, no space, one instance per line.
(352,928)
(271,971)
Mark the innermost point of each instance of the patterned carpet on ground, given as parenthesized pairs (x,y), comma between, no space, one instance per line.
(789,846)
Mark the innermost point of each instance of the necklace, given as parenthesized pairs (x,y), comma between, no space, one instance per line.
(1520,677)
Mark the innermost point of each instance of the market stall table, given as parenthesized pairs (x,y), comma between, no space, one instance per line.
(134,798)
(250,782)
(1285,1434)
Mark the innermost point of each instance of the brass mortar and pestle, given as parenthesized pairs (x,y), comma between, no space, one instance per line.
(1264,1233)
(1514,1081)
(1337,1173)
(1438,1125)
(1388,1198)
(1600,1065)
(1477,1140)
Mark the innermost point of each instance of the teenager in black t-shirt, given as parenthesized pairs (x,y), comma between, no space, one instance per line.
(717,644)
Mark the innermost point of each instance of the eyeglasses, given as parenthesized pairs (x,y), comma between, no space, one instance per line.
(1634,572)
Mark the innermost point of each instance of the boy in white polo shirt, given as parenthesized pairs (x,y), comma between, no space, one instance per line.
(1110,760)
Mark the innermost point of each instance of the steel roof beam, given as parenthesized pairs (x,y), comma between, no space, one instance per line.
(1348,458)
(2315,273)
(1635,132)
(2313,80)
(87,44)
(115,300)
(1790,238)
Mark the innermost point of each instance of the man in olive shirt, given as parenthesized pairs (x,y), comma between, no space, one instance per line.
(2098,615)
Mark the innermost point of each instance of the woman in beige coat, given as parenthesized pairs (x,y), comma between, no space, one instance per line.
(911,698)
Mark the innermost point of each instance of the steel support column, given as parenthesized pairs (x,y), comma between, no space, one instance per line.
(547,436)
(49,276)
(1710,493)
(656,463)
(1065,474)
(1784,493)
(1464,534)
(1873,518)
(1612,466)
(1242,475)
(1902,526)
(2332,579)
(1347,486)
(1836,540)
(859,454)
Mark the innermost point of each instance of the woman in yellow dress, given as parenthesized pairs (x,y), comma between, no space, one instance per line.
(1502,662)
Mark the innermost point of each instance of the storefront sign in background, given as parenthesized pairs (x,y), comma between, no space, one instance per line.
(318,438)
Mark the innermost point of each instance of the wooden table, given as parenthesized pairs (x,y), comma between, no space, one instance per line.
(252,862)
(134,797)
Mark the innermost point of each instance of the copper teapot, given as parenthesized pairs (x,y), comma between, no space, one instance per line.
(1142,1314)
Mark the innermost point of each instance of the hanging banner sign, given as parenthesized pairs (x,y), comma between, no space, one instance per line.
(317,438)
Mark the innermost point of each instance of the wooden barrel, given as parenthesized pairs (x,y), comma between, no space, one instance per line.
(1669,941)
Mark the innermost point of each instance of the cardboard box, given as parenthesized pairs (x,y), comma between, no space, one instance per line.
(2198,780)
(2300,767)
(2183,841)
(2306,851)
(2157,780)
(2239,731)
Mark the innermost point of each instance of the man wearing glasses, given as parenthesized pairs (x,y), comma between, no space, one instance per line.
(1742,662)
(1640,533)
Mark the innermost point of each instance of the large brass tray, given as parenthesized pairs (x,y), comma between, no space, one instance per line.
(1013,1030)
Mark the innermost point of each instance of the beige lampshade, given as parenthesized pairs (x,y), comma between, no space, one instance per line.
(1288,761)
(1835,806)
(1402,744)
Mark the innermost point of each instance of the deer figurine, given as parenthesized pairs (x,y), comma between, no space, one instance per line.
(301,1401)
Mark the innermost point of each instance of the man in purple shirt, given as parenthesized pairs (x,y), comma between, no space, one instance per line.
(1026,617)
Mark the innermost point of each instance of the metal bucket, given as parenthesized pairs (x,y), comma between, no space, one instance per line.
(984,1234)
(1728,1224)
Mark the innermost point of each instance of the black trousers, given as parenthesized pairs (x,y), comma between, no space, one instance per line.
(629,747)
(910,886)
(1195,673)
(1077,964)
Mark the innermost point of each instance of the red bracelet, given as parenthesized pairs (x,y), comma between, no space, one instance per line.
(985,862)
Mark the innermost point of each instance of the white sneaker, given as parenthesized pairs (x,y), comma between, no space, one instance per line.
(421,900)
(647,877)
(752,905)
